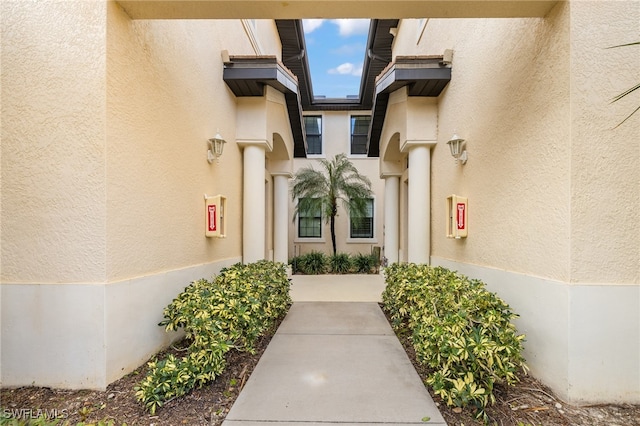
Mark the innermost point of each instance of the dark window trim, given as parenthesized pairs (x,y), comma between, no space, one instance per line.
(358,140)
(371,223)
(313,219)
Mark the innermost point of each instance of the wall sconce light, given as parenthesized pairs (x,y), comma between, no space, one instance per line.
(457,151)
(216,145)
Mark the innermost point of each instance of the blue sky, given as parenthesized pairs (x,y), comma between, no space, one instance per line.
(335,50)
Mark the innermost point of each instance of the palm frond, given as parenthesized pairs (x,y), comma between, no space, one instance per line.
(357,207)
(628,116)
(623,45)
(628,91)
(625,93)
(337,182)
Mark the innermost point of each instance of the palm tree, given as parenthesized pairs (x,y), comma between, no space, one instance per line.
(320,190)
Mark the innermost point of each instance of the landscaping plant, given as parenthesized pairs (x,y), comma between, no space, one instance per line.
(316,263)
(364,263)
(313,263)
(340,263)
(461,331)
(231,311)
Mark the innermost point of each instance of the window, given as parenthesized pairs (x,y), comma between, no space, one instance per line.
(309,218)
(313,130)
(362,227)
(359,133)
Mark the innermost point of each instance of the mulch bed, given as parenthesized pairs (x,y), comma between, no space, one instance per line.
(205,406)
(528,403)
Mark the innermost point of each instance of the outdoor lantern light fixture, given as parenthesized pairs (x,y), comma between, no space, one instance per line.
(216,145)
(456,147)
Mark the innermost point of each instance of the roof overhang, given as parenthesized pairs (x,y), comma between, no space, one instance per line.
(248,75)
(422,75)
(376,58)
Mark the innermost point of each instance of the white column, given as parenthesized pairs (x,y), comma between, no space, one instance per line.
(253,208)
(391,217)
(419,214)
(281,217)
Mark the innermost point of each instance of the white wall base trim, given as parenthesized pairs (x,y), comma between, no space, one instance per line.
(85,336)
(583,340)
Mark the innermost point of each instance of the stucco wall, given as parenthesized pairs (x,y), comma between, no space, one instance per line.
(164,101)
(605,177)
(507,98)
(53,193)
(550,180)
(104,171)
(53,142)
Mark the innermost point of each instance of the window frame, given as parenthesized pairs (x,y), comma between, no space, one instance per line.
(300,238)
(351,134)
(321,134)
(372,238)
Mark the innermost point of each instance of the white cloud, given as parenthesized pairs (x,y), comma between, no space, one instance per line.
(310,25)
(348,27)
(347,69)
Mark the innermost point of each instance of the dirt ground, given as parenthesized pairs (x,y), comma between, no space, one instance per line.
(530,402)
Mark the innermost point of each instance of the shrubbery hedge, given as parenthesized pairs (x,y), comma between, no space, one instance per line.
(315,263)
(231,311)
(459,329)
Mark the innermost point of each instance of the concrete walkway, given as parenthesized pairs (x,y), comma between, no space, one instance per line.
(334,362)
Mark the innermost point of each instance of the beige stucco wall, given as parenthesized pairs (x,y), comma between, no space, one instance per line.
(536,114)
(53,192)
(53,142)
(336,139)
(164,101)
(605,177)
(104,171)
(507,98)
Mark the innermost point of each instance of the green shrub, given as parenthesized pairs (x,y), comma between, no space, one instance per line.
(459,329)
(231,311)
(364,263)
(340,263)
(313,263)
(295,265)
